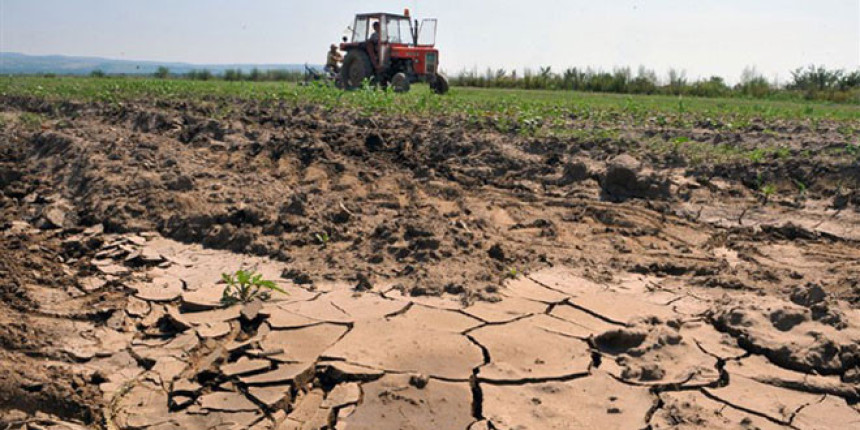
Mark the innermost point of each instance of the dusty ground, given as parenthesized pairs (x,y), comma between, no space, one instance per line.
(439,275)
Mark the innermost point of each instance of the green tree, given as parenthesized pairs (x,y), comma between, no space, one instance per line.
(162,72)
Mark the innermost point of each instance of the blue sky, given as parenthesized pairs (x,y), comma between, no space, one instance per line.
(703,37)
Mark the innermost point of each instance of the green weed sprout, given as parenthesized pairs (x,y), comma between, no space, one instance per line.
(801,187)
(322,238)
(769,191)
(246,286)
(756,155)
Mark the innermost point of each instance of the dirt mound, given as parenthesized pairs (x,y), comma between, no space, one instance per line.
(625,177)
(820,338)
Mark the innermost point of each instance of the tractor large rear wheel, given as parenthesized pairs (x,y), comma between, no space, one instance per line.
(356,68)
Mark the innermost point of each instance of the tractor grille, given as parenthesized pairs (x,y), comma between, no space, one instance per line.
(432,62)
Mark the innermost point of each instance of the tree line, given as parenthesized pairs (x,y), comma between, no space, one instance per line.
(810,82)
(254,74)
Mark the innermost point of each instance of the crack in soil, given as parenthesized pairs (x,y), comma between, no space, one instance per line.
(747,410)
(802,407)
(594,314)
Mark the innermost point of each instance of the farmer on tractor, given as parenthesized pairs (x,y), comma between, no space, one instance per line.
(373,47)
(391,49)
(374,38)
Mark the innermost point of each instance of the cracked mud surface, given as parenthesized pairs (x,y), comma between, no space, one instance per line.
(668,311)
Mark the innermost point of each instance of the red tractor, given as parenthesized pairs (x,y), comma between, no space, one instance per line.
(385,48)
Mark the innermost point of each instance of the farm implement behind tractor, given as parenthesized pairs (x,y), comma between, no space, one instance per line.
(390,49)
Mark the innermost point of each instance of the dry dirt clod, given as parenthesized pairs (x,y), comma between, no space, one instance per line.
(625,177)
(693,410)
(518,352)
(271,397)
(415,406)
(775,403)
(296,374)
(547,405)
(302,345)
(656,354)
(243,366)
(404,346)
(227,401)
(163,289)
(343,395)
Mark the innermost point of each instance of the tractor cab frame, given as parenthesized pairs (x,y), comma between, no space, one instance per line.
(401,53)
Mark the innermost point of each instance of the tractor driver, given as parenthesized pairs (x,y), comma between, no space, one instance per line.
(333,59)
(374,38)
(373,46)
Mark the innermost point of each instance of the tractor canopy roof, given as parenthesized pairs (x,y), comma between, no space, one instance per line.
(379,14)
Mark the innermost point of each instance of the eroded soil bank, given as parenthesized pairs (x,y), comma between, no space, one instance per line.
(440,275)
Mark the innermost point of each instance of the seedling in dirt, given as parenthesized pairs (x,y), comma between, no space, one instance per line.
(783,152)
(512,273)
(246,286)
(801,187)
(768,191)
(756,155)
(322,238)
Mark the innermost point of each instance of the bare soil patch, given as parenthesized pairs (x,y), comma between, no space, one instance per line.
(467,278)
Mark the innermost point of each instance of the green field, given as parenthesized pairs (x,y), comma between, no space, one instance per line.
(523,111)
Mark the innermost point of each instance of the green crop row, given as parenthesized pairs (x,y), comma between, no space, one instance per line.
(530,112)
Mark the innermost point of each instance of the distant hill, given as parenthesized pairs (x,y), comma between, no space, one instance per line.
(12,63)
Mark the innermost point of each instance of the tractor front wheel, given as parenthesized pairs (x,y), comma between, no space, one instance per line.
(356,68)
(400,83)
(439,84)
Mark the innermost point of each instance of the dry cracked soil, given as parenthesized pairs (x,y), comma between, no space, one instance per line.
(437,276)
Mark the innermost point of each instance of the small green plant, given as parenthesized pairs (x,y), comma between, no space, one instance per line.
(246,286)
(801,187)
(783,152)
(756,155)
(322,238)
(769,190)
(512,273)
